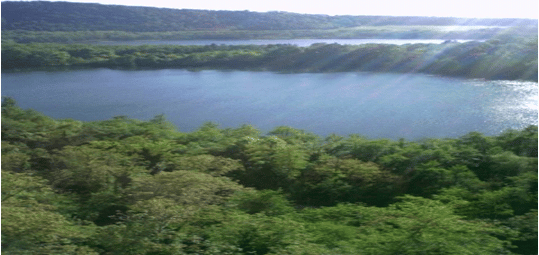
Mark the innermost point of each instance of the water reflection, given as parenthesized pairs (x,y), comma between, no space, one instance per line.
(371,104)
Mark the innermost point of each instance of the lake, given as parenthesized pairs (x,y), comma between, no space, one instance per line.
(297,42)
(410,106)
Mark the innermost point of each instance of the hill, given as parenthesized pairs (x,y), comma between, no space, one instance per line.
(66,16)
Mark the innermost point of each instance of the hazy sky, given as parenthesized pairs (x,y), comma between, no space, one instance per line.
(440,8)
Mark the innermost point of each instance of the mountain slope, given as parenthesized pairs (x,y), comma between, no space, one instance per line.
(66,16)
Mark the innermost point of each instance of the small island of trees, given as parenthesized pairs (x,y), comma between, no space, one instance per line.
(493,59)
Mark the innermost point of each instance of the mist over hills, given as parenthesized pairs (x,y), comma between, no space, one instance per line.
(67,16)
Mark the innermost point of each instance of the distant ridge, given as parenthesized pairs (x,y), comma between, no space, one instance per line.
(67,16)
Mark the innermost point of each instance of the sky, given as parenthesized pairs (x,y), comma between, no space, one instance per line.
(432,8)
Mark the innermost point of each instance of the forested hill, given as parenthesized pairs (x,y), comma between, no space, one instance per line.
(64,16)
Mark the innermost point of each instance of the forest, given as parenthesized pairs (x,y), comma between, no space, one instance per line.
(65,16)
(504,57)
(64,22)
(125,186)
(365,32)
(128,186)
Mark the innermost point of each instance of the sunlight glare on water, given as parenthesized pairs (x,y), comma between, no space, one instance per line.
(376,105)
(518,104)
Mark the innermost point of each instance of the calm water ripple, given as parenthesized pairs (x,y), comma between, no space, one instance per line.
(410,106)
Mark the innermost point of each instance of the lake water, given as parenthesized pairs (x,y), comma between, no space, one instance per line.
(375,105)
(297,42)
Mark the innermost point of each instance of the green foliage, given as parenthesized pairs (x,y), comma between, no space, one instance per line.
(189,189)
(256,234)
(147,229)
(124,186)
(423,226)
(15,158)
(412,226)
(515,60)
(30,222)
(64,16)
(272,163)
(268,202)
(521,143)
(294,136)
(335,180)
(526,226)
(213,165)
(507,164)
(85,171)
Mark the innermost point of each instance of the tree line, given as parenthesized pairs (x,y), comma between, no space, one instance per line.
(65,16)
(364,32)
(507,58)
(125,186)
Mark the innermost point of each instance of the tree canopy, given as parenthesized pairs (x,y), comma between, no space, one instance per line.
(503,58)
(65,16)
(124,186)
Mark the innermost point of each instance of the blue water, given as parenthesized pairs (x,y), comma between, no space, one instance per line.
(377,105)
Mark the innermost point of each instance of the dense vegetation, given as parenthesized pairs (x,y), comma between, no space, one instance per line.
(506,58)
(64,16)
(63,22)
(374,32)
(123,186)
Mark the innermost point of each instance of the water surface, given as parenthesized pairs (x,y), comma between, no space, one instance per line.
(375,105)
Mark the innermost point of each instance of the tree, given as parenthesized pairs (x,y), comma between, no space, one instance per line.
(268,202)
(15,158)
(149,228)
(255,234)
(213,165)
(85,171)
(412,226)
(30,222)
(333,180)
(274,161)
(191,190)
